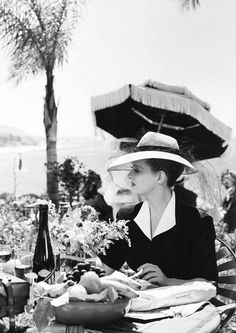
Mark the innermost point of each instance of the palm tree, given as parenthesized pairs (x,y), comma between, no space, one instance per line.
(36,34)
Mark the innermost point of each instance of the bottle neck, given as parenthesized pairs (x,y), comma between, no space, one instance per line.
(43,216)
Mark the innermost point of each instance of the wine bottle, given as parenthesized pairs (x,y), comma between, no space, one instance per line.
(43,260)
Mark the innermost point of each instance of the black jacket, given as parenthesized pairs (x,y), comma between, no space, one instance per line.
(186,251)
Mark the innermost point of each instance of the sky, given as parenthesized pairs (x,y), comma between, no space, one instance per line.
(131,41)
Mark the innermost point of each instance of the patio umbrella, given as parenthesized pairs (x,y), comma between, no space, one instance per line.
(135,109)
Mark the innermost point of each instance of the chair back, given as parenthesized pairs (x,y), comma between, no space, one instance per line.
(226,264)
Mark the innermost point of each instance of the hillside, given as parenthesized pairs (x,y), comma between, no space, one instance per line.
(11,136)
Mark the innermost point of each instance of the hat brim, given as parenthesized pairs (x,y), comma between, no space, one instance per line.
(143,155)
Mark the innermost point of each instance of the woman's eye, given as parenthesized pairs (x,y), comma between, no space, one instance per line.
(135,170)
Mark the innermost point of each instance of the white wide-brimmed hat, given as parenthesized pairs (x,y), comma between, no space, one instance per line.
(153,145)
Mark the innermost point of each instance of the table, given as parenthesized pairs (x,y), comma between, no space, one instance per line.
(204,321)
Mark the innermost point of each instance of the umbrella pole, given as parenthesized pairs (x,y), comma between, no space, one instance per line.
(161,122)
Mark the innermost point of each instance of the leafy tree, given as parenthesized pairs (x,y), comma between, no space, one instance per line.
(36,34)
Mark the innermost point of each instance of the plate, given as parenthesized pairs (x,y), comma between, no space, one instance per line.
(91,313)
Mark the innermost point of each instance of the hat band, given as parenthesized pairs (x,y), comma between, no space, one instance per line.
(157,148)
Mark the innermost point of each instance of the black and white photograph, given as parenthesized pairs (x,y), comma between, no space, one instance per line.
(118,166)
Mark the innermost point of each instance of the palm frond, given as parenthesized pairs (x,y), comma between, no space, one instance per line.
(24,66)
(36,8)
(67,18)
(38,29)
(18,31)
(189,4)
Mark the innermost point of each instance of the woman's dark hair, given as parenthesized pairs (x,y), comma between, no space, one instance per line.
(92,184)
(172,169)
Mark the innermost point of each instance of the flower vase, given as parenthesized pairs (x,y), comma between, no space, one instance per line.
(87,259)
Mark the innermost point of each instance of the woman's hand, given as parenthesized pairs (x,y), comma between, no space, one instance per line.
(153,274)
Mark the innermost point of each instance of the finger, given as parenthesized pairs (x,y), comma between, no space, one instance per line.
(150,275)
(152,268)
(144,265)
(146,270)
(155,281)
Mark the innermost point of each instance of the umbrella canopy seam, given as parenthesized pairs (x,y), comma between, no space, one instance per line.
(152,122)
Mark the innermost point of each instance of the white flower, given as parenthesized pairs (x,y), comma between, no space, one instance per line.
(80,231)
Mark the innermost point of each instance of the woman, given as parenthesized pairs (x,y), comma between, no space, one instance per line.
(170,242)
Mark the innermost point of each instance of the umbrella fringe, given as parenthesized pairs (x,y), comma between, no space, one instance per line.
(180,104)
(111,99)
(178,90)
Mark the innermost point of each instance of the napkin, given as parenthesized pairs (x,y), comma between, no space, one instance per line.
(9,266)
(177,311)
(191,292)
(187,309)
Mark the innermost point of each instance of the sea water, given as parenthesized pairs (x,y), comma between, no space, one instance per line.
(32,176)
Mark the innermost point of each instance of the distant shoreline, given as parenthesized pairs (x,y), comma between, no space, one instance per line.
(27,148)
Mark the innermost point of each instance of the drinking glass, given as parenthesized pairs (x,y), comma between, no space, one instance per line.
(5,254)
(23,263)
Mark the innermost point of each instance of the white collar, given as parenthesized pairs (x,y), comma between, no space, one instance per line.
(166,222)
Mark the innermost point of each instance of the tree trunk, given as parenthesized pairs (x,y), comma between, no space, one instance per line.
(50,123)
